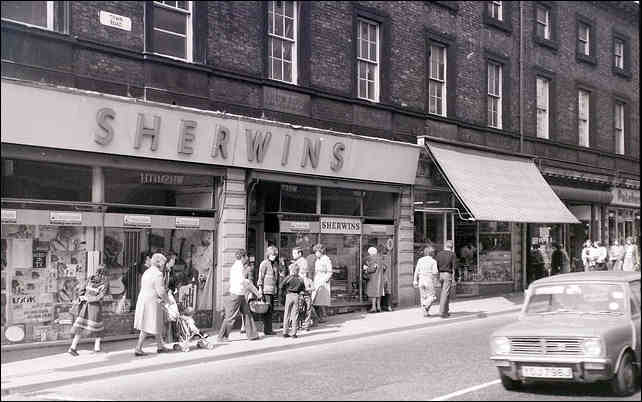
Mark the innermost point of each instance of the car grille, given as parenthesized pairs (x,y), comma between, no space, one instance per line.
(546,346)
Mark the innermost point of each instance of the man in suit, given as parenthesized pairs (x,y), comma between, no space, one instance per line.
(447,266)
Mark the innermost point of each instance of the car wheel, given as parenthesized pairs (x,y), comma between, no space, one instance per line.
(510,384)
(623,383)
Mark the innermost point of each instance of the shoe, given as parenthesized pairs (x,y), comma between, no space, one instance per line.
(372,311)
(242,331)
(72,352)
(389,308)
(98,351)
(162,350)
(445,315)
(268,333)
(286,335)
(139,353)
(295,336)
(255,339)
(426,314)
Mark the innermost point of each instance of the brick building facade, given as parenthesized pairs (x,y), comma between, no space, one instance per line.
(224,64)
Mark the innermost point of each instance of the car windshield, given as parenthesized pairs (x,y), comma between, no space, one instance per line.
(586,298)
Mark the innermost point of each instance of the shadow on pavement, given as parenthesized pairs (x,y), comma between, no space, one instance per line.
(597,390)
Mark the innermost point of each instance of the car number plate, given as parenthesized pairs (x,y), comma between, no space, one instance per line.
(547,372)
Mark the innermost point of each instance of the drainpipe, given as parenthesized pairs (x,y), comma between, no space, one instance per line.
(524,226)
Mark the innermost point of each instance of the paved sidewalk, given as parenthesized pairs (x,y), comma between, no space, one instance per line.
(60,369)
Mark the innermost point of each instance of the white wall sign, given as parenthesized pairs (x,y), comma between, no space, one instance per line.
(66,218)
(137,220)
(340,225)
(115,21)
(299,227)
(9,216)
(187,222)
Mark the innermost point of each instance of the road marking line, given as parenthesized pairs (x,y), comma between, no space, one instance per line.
(466,390)
(60,397)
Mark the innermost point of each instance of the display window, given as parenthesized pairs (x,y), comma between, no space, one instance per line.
(43,267)
(338,201)
(378,204)
(495,253)
(344,252)
(298,198)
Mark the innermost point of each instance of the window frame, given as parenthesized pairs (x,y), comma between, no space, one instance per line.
(619,132)
(546,23)
(491,10)
(296,16)
(443,82)
(189,30)
(588,117)
(503,23)
(552,42)
(590,58)
(498,97)
(625,70)
(541,72)
(50,19)
(361,59)
(447,41)
(546,80)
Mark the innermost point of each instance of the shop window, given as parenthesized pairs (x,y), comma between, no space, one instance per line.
(344,252)
(158,189)
(45,181)
(432,199)
(298,198)
(336,201)
(495,257)
(379,204)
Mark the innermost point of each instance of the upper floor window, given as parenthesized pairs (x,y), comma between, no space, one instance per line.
(282,38)
(36,13)
(583,117)
(495,95)
(437,82)
(368,60)
(619,128)
(172,29)
(495,10)
(583,39)
(543,22)
(542,107)
(618,53)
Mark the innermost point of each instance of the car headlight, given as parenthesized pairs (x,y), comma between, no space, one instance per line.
(592,347)
(500,345)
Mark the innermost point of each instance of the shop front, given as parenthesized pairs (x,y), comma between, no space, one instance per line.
(126,177)
(483,202)
(623,216)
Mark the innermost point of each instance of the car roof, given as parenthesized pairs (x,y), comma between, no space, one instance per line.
(597,276)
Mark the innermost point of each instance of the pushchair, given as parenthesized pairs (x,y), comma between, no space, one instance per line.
(185,329)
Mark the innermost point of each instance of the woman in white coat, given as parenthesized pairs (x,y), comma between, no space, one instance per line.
(322,276)
(148,316)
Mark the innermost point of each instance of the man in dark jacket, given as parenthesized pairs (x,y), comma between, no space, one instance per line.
(447,266)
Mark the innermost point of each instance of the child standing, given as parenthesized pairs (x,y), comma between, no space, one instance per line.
(291,287)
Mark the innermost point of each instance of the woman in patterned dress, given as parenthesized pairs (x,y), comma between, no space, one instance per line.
(322,276)
(89,321)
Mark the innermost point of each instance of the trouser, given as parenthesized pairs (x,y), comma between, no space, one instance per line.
(306,313)
(446,280)
(291,313)
(267,317)
(235,306)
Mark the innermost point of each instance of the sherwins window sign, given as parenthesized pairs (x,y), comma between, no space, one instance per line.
(340,225)
(86,121)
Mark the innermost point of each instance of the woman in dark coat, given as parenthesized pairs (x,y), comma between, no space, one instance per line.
(89,321)
(375,289)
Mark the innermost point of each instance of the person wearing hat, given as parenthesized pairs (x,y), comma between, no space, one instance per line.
(375,289)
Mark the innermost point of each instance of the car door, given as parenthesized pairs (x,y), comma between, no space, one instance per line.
(635,314)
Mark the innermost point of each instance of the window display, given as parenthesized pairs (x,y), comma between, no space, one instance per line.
(495,256)
(344,252)
(42,268)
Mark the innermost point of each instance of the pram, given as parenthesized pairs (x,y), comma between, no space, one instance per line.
(185,329)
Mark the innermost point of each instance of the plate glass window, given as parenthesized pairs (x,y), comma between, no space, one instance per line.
(282,37)
(543,22)
(494,95)
(368,60)
(437,82)
(36,13)
(583,117)
(619,54)
(542,107)
(619,128)
(583,39)
(495,10)
(173,29)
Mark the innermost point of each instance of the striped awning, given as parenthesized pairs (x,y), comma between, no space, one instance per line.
(498,187)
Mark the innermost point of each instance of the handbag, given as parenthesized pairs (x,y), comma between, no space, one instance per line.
(75,307)
(259,306)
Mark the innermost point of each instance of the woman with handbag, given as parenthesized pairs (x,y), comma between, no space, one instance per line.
(374,268)
(268,283)
(89,315)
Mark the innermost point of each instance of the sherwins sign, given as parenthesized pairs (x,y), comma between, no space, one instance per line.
(86,121)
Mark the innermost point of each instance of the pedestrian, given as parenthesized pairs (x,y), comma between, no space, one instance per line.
(291,286)
(447,266)
(306,313)
(374,268)
(268,283)
(386,299)
(616,256)
(566,261)
(236,303)
(586,255)
(601,256)
(89,321)
(322,277)
(248,273)
(425,274)
(631,260)
(557,260)
(148,317)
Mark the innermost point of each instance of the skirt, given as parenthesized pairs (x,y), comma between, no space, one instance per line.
(428,296)
(89,321)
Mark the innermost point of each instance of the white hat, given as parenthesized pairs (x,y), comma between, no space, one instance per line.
(372,251)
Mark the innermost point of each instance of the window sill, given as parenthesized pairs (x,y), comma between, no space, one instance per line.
(622,73)
(548,43)
(501,25)
(586,59)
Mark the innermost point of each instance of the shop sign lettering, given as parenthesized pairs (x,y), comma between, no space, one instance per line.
(187,222)
(340,225)
(299,227)
(137,220)
(9,216)
(115,21)
(624,196)
(149,130)
(65,218)
(156,178)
